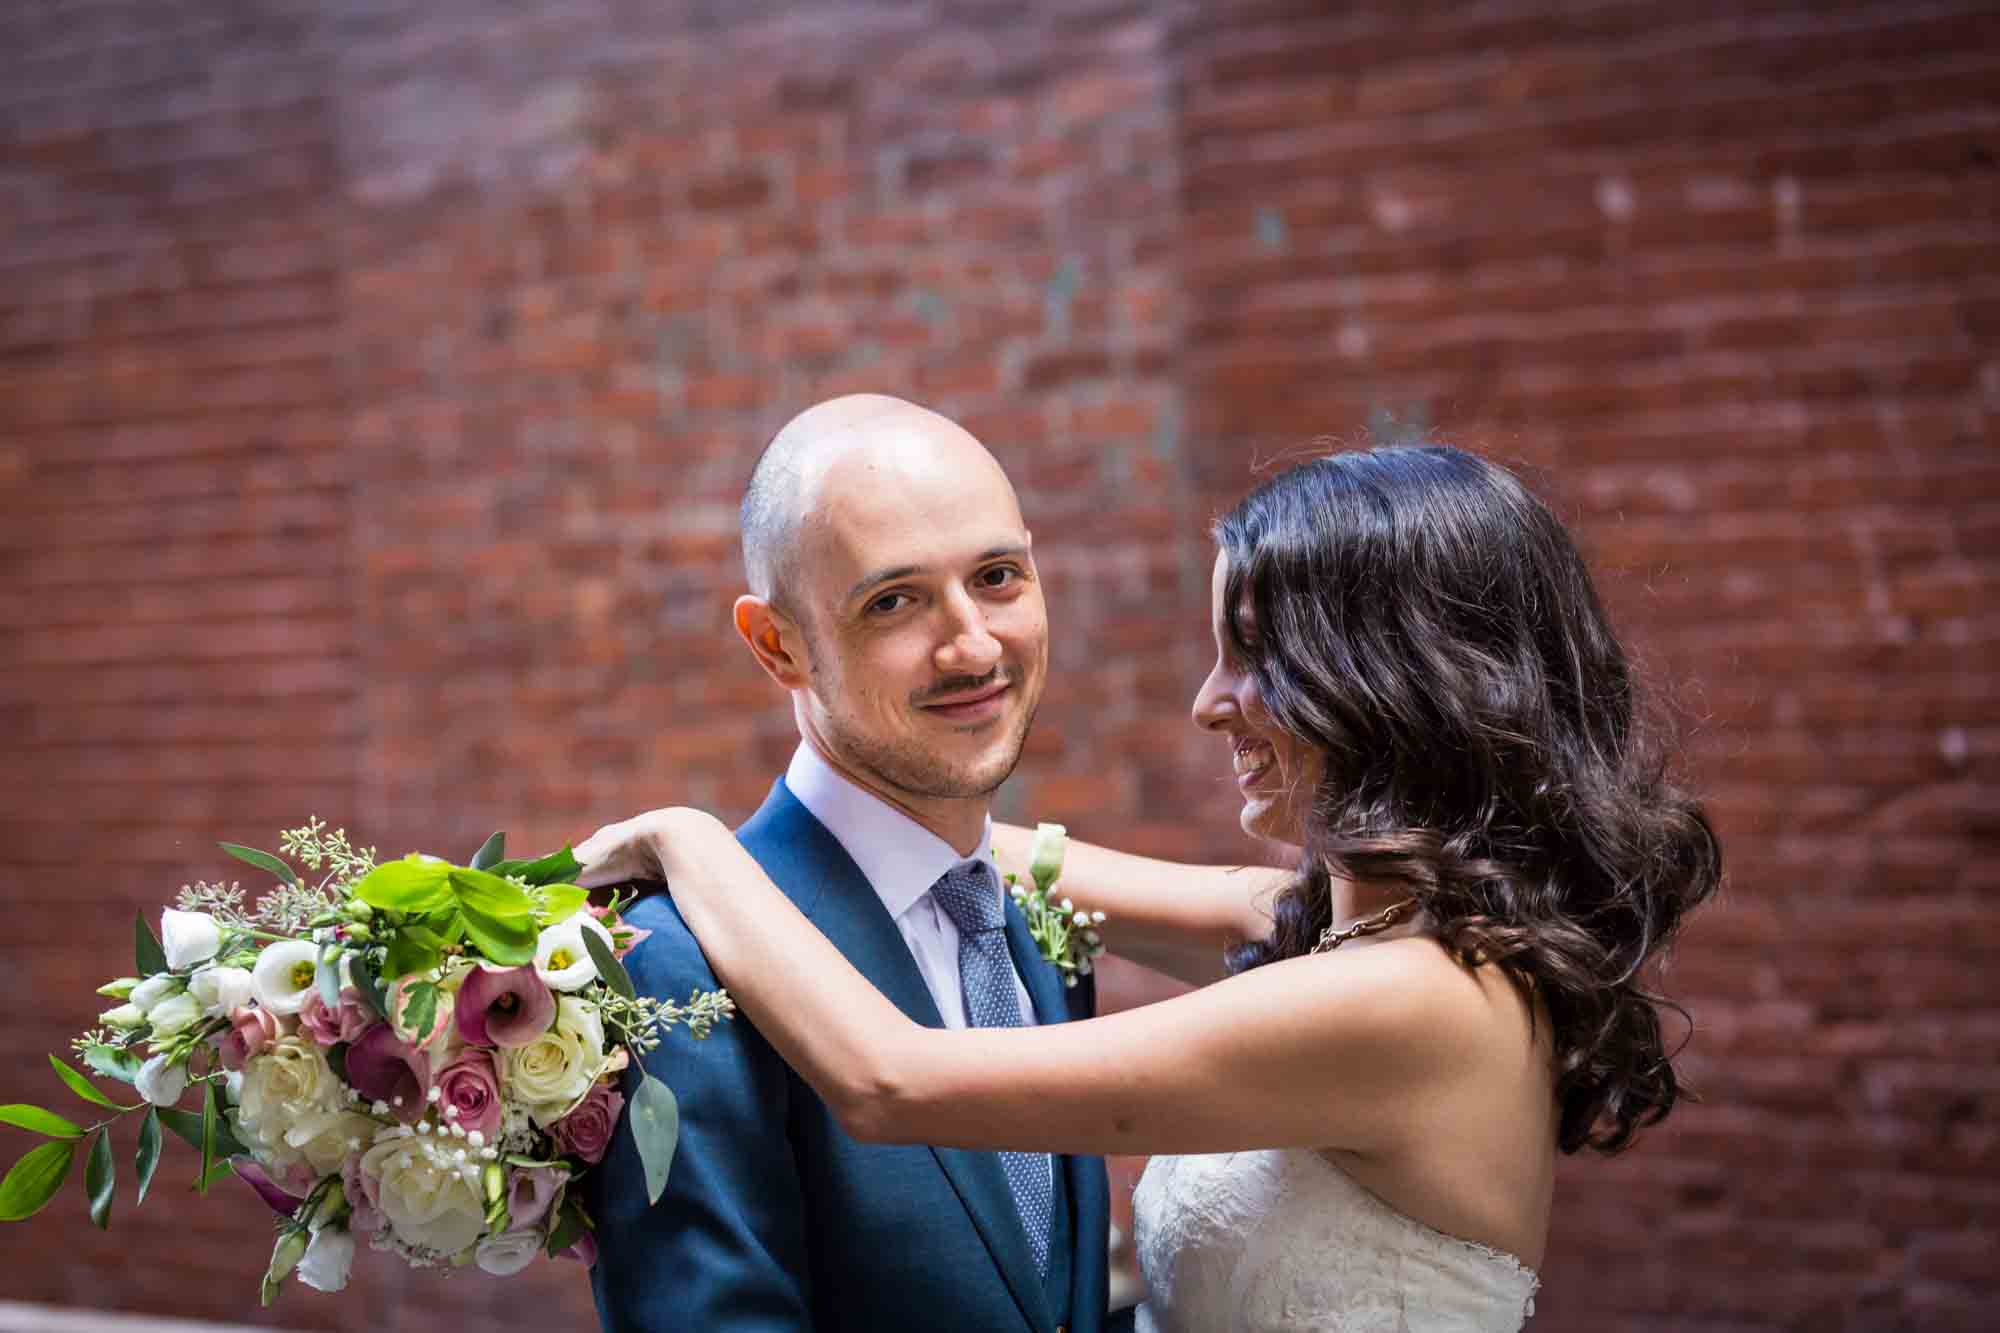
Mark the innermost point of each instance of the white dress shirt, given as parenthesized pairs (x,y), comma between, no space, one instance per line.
(901,860)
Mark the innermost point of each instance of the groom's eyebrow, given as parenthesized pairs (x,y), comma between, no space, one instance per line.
(881,576)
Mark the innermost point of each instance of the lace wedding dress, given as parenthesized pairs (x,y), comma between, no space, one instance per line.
(1285,1240)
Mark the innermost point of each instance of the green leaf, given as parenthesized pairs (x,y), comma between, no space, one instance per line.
(365,981)
(560,902)
(34,1179)
(408,885)
(100,1180)
(608,966)
(112,1062)
(421,1011)
(491,896)
(263,861)
(210,1111)
(509,943)
(148,1160)
(80,1085)
(222,1168)
(413,950)
(570,1224)
(490,851)
(186,1125)
(555,868)
(37,1121)
(655,1118)
(151,957)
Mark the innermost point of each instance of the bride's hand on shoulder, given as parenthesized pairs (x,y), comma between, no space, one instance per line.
(654,845)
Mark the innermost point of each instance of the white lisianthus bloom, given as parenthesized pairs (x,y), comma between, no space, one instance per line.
(151,991)
(289,1092)
(161,1083)
(1045,854)
(553,1071)
(561,960)
(426,1195)
(284,975)
(174,1014)
(221,991)
(188,938)
(507,1254)
(124,1016)
(327,1260)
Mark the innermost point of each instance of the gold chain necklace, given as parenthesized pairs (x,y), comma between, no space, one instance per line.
(1331,939)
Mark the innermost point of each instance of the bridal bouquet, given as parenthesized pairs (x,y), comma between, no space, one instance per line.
(416,1052)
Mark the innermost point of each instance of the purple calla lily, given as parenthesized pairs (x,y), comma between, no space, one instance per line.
(383,1067)
(267,1189)
(504,1006)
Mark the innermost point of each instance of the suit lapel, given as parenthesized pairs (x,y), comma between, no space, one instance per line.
(816,872)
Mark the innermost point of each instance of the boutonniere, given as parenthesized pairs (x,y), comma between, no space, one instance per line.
(1066,934)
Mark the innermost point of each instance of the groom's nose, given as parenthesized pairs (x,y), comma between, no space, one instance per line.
(968,648)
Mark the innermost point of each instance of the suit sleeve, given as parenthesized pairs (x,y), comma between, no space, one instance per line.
(724,1248)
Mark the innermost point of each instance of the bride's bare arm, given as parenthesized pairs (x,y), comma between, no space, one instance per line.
(1308,1053)
(1166,915)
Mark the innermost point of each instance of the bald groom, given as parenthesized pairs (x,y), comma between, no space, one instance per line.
(893,598)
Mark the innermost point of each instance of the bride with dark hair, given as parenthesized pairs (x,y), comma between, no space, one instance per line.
(1354,1120)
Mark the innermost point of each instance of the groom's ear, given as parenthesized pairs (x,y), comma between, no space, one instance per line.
(775,641)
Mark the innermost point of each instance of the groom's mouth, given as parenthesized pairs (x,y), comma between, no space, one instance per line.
(974,705)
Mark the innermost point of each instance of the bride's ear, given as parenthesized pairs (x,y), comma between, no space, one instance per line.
(774,641)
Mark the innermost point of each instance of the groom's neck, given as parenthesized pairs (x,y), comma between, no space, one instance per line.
(960,822)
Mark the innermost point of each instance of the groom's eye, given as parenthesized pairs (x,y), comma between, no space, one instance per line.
(999,576)
(887,602)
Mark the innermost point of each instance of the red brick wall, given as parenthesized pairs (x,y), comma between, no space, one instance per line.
(376,382)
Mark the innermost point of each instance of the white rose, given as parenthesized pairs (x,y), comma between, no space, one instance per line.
(188,938)
(327,1260)
(161,1083)
(285,975)
(428,1196)
(221,991)
(152,990)
(551,1072)
(507,1254)
(326,1143)
(561,960)
(174,1014)
(288,1090)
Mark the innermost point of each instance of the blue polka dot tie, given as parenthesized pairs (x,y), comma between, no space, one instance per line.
(970,896)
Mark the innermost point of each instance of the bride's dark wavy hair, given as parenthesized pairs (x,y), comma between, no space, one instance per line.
(1425,622)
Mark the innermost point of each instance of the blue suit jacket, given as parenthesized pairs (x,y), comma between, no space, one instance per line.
(773,1218)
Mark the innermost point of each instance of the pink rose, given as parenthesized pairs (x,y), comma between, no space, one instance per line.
(328,1026)
(531,1192)
(471,1086)
(250,1030)
(586,1130)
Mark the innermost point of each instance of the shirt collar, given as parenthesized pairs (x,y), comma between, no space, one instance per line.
(900,857)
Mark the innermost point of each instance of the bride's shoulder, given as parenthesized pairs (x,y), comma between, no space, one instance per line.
(1412,993)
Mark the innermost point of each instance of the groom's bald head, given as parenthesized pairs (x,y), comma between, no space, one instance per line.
(856,440)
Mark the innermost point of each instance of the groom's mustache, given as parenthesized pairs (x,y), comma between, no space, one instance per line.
(945,689)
